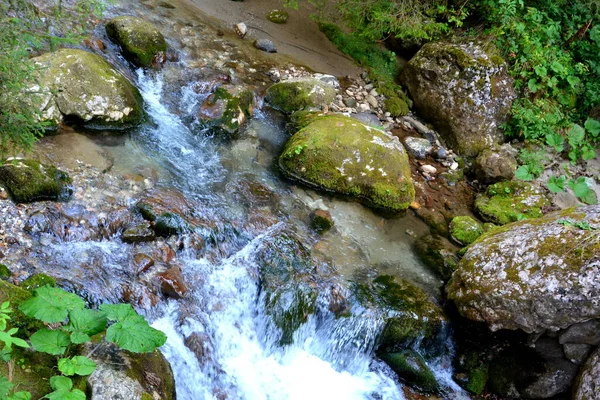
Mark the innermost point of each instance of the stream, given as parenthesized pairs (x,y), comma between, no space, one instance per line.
(237,354)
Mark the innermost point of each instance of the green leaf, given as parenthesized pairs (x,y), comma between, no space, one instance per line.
(85,323)
(556,184)
(135,335)
(74,394)
(576,135)
(557,67)
(118,312)
(5,386)
(523,173)
(588,152)
(50,304)
(595,34)
(61,383)
(592,126)
(21,396)
(533,85)
(540,71)
(556,141)
(51,342)
(78,365)
(8,339)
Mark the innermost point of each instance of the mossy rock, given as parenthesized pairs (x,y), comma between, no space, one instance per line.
(411,316)
(170,224)
(278,16)
(169,212)
(465,230)
(80,86)
(29,180)
(396,106)
(412,369)
(341,155)
(299,94)
(321,221)
(438,254)
(15,296)
(510,201)
(36,281)
(140,41)
(226,110)
(5,272)
(300,119)
(32,371)
(534,275)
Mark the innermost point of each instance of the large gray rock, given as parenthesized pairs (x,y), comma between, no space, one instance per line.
(464,89)
(533,275)
(79,85)
(587,385)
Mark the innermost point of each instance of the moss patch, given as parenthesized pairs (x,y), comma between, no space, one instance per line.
(140,41)
(5,273)
(226,110)
(510,201)
(412,369)
(396,106)
(465,230)
(438,254)
(37,280)
(295,95)
(29,180)
(341,155)
(277,16)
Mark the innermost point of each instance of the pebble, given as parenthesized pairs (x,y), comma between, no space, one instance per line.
(372,101)
(374,93)
(369,86)
(454,166)
(364,107)
(430,169)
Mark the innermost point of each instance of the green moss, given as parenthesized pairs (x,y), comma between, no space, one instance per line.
(411,368)
(465,230)
(291,96)
(170,224)
(438,254)
(321,221)
(5,273)
(300,119)
(140,41)
(341,155)
(31,372)
(138,367)
(510,201)
(29,180)
(396,106)
(36,281)
(226,109)
(16,295)
(277,16)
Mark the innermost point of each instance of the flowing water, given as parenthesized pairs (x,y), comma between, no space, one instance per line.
(237,353)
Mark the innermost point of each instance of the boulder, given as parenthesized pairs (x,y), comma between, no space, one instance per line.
(227,109)
(587,384)
(339,154)
(533,275)
(81,86)
(495,164)
(138,233)
(464,89)
(140,41)
(510,201)
(29,180)
(298,94)
(121,374)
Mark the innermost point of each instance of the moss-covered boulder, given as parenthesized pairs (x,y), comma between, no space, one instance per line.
(227,109)
(29,180)
(411,316)
(535,275)
(510,201)
(464,89)
(36,281)
(341,155)
(79,86)
(123,375)
(412,369)
(5,272)
(321,221)
(587,385)
(438,254)
(495,164)
(299,94)
(140,41)
(465,230)
(277,16)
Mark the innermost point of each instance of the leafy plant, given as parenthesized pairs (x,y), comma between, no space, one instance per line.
(580,187)
(73,324)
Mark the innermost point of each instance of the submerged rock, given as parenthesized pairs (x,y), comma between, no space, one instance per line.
(29,180)
(587,385)
(227,109)
(510,201)
(533,275)
(464,89)
(138,233)
(341,155)
(140,41)
(321,221)
(81,86)
(299,94)
(412,369)
(438,254)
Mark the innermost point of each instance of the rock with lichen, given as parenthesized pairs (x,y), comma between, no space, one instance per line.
(587,384)
(341,155)
(510,201)
(534,275)
(79,86)
(140,41)
(299,94)
(495,164)
(29,180)
(464,89)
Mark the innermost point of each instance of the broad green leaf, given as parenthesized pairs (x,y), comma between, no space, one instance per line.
(5,386)
(576,135)
(595,34)
(61,383)
(557,67)
(523,173)
(556,184)
(21,396)
(8,339)
(85,323)
(135,335)
(74,394)
(50,304)
(118,312)
(573,81)
(556,141)
(78,365)
(590,197)
(533,85)
(541,71)
(51,342)
(592,126)
(588,152)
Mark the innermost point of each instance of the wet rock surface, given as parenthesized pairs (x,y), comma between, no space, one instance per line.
(140,41)
(29,181)
(587,386)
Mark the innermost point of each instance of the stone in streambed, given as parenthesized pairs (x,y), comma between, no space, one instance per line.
(138,233)
(438,254)
(299,94)
(412,369)
(140,41)
(341,155)
(172,283)
(227,109)
(29,180)
(587,385)
(265,45)
(321,221)
(277,16)
(465,230)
